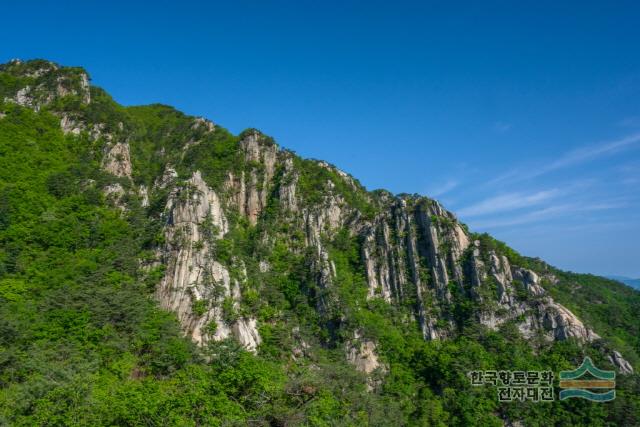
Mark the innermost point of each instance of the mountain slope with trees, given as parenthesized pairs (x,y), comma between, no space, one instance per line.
(156,269)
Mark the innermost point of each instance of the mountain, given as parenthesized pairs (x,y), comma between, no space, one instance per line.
(634,283)
(156,269)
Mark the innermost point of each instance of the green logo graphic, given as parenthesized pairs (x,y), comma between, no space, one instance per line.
(575,387)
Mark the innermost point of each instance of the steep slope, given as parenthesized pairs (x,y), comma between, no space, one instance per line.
(297,263)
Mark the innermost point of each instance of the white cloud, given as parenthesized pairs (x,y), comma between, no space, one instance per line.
(502,127)
(629,173)
(443,188)
(571,158)
(546,213)
(587,153)
(508,202)
(630,122)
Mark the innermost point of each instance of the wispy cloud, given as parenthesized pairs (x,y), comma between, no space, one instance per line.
(571,158)
(443,188)
(629,173)
(508,202)
(590,152)
(501,127)
(630,122)
(546,213)
(544,229)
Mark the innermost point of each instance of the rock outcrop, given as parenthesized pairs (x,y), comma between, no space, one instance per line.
(619,362)
(47,82)
(117,160)
(252,186)
(414,251)
(361,353)
(196,285)
(539,314)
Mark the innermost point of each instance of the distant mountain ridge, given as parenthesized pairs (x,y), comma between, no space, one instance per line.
(634,283)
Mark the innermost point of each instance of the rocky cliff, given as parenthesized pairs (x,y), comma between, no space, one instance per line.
(227,205)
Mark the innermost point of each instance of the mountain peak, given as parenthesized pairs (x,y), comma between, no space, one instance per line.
(38,83)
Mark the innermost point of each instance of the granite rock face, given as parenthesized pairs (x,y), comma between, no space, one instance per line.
(252,186)
(117,160)
(619,362)
(361,353)
(195,285)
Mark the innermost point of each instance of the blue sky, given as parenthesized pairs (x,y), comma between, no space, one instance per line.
(523,119)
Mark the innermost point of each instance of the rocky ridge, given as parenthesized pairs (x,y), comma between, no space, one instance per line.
(412,251)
